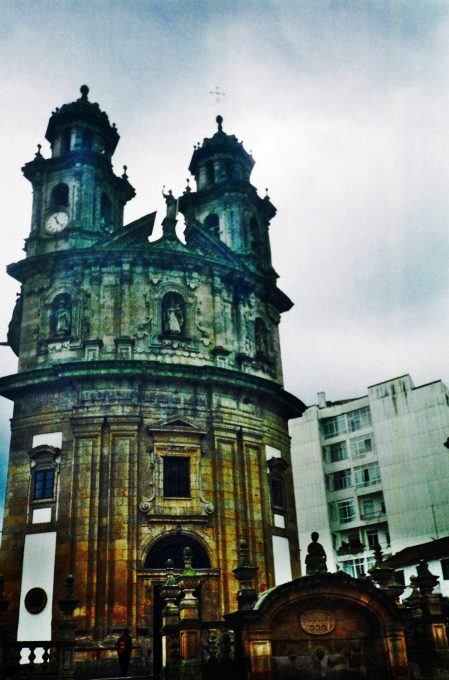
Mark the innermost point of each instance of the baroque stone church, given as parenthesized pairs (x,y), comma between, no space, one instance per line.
(149,409)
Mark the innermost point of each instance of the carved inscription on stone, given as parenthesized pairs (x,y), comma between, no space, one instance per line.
(317,622)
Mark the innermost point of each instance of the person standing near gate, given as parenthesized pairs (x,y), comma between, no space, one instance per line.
(124,646)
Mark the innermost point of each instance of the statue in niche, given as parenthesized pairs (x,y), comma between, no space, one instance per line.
(316,556)
(173,317)
(61,321)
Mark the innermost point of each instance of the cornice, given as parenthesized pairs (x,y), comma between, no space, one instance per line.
(149,372)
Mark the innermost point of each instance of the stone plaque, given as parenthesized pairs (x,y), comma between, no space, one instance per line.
(317,622)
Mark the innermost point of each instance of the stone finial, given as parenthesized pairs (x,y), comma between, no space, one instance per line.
(219,120)
(38,152)
(425,579)
(316,556)
(68,603)
(125,175)
(84,92)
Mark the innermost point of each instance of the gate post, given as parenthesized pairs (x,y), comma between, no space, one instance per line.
(66,632)
(170,591)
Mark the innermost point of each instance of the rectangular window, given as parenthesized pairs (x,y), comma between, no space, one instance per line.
(43,484)
(368,511)
(366,475)
(354,568)
(176,477)
(339,480)
(373,538)
(277,492)
(360,446)
(445,568)
(331,427)
(346,511)
(359,419)
(337,452)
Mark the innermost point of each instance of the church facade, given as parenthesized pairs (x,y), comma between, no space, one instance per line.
(149,409)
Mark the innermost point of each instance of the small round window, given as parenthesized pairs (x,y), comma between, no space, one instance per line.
(35,600)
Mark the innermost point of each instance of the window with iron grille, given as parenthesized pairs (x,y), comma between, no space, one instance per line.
(176,477)
(365,475)
(43,484)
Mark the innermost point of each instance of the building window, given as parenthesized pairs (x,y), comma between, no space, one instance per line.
(66,141)
(341,479)
(43,484)
(359,419)
(337,452)
(372,536)
(277,492)
(105,211)
(277,468)
(173,315)
(346,511)
(354,567)
(367,475)
(176,477)
(331,427)
(87,138)
(368,510)
(360,446)
(210,172)
(445,568)
(60,196)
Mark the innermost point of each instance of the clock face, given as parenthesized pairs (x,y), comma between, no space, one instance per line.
(56,222)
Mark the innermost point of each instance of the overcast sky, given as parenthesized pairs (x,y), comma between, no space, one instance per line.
(344,106)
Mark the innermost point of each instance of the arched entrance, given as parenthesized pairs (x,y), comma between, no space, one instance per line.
(171,545)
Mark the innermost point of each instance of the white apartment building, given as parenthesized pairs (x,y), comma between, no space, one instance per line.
(373,470)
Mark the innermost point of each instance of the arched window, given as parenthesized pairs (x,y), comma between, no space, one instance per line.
(86,138)
(210,172)
(173,315)
(171,546)
(212,222)
(105,210)
(61,316)
(66,141)
(60,195)
(261,338)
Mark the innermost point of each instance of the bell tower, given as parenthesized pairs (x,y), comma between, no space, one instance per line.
(225,202)
(77,198)
(149,409)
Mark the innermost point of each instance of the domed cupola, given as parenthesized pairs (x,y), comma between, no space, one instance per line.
(81,126)
(220,158)
(225,203)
